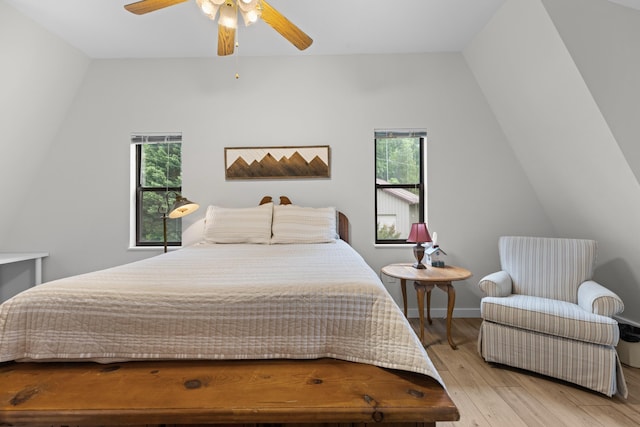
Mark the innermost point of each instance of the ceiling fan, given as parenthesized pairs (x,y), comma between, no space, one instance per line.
(251,11)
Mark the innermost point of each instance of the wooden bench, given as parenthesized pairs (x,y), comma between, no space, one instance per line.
(324,391)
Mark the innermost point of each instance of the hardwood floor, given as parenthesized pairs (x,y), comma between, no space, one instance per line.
(495,395)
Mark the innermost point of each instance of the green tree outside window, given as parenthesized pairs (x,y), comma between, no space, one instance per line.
(159,177)
(400,189)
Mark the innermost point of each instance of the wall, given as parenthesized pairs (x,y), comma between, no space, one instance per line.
(603,41)
(38,80)
(558,133)
(477,191)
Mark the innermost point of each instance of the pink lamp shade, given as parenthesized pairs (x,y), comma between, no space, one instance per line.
(419,234)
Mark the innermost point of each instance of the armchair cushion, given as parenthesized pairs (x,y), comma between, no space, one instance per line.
(597,299)
(496,284)
(553,317)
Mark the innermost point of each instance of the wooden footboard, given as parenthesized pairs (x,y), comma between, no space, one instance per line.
(324,391)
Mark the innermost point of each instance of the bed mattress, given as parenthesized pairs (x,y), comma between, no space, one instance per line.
(217,301)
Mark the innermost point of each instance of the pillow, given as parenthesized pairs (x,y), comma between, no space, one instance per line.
(238,225)
(297,224)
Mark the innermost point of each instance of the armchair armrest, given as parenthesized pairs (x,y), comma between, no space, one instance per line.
(496,284)
(597,299)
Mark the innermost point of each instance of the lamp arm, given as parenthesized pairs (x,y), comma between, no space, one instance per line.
(164,230)
(181,207)
(164,214)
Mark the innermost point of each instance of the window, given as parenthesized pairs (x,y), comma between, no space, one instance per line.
(400,186)
(158,178)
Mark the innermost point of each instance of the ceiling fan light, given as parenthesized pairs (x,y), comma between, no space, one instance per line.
(247,5)
(229,15)
(205,6)
(213,13)
(250,17)
(208,8)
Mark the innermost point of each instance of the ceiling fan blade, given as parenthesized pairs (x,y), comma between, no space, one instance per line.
(285,27)
(226,40)
(146,6)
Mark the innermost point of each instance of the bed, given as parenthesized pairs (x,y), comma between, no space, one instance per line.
(249,326)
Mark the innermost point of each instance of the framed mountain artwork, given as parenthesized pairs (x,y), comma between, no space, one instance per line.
(309,161)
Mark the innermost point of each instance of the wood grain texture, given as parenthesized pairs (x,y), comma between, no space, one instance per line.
(226,40)
(146,6)
(492,395)
(207,392)
(286,28)
(430,274)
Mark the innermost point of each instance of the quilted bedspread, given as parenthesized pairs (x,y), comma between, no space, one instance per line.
(217,301)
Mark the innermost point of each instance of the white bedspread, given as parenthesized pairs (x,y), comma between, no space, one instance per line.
(208,301)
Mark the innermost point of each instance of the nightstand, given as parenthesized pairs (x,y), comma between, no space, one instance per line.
(424,280)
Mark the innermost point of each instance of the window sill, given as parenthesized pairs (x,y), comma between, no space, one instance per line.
(153,248)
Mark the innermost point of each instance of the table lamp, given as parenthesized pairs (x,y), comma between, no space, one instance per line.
(419,234)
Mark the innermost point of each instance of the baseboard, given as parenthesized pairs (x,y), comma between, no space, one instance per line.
(441,313)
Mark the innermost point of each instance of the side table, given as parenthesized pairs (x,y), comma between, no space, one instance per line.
(424,282)
(9,258)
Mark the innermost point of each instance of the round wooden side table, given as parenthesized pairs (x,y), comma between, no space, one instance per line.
(424,282)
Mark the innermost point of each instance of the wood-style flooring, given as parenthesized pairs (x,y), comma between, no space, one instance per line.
(495,395)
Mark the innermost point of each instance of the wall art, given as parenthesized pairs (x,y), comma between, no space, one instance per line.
(309,161)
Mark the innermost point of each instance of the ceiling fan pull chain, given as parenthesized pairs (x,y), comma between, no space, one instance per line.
(237,54)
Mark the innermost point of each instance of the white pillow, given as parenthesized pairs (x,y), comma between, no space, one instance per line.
(238,225)
(297,224)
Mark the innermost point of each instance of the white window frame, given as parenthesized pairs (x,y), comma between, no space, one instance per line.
(401,133)
(137,139)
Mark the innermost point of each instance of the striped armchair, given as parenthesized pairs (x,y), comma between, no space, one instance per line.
(544,313)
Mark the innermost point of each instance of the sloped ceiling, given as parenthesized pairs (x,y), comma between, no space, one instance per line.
(635,4)
(104,29)
(561,137)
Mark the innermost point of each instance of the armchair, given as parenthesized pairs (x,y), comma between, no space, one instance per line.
(543,312)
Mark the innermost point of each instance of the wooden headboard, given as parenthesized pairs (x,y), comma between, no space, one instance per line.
(343,227)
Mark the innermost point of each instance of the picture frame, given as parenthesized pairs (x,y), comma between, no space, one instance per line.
(284,162)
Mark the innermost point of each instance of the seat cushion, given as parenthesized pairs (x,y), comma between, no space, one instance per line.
(552,317)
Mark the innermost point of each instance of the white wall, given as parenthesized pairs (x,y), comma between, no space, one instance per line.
(39,77)
(561,138)
(477,191)
(603,40)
